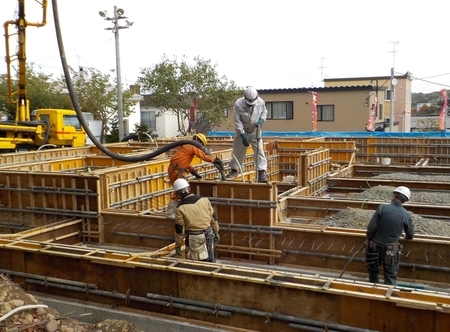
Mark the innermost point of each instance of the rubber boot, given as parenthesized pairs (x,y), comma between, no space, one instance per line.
(171,207)
(262,177)
(232,174)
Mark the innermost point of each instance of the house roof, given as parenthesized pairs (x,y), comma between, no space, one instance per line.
(317,89)
(407,75)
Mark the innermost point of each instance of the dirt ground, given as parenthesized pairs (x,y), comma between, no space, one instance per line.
(43,319)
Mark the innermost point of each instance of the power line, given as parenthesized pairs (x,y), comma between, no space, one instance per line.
(429,82)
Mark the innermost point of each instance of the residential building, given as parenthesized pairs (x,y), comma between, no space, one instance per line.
(342,108)
(163,125)
(134,117)
(402,96)
(343,104)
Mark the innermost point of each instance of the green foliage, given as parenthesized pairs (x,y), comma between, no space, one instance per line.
(427,124)
(97,94)
(144,134)
(174,86)
(42,92)
(433,98)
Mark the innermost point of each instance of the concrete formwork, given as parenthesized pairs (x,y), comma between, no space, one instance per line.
(82,218)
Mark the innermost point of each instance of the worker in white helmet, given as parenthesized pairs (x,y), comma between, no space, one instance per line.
(195,221)
(383,232)
(249,114)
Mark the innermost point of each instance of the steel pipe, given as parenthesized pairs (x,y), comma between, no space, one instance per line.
(155,237)
(48,279)
(259,313)
(121,296)
(251,229)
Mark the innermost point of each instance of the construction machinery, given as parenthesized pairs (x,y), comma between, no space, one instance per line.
(32,130)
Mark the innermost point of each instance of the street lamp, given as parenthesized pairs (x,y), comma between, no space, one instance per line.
(118,15)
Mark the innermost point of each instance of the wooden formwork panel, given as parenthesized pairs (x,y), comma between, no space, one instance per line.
(261,299)
(35,198)
(10,158)
(63,164)
(319,208)
(313,170)
(71,164)
(135,186)
(242,204)
(401,150)
(340,151)
(131,229)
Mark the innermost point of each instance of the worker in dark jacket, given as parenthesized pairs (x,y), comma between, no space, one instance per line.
(195,221)
(180,165)
(383,232)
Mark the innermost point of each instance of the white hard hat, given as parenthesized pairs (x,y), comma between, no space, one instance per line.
(404,191)
(251,96)
(180,184)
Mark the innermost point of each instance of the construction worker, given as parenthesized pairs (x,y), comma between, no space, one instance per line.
(249,114)
(195,221)
(383,232)
(180,164)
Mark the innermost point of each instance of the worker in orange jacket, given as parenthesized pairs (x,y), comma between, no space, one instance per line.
(180,164)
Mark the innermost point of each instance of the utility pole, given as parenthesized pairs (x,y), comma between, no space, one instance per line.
(393,84)
(321,69)
(118,15)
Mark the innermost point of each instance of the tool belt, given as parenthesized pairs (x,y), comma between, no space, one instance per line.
(392,254)
(196,244)
(389,254)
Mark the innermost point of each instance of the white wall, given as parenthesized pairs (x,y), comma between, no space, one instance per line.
(166,124)
(135,115)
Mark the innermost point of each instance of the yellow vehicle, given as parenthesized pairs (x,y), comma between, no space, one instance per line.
(56,127)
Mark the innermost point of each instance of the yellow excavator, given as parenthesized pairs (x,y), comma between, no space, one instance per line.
(33,129)
(55,127)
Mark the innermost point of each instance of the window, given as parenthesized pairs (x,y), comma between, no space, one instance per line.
(148,118)
(325,112)
(380,111)
(280,110)
(388,95)
(72,120)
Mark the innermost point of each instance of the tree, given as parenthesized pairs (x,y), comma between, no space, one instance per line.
(97,94)
(427,124)
(42,92)
(176,87)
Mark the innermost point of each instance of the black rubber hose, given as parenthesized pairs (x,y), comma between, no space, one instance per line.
(80,114)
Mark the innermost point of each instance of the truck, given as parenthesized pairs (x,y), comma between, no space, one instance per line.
(31,130)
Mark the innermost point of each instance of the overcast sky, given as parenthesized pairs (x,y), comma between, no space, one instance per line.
(267,44)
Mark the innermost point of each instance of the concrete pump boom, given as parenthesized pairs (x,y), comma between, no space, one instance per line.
(21,101)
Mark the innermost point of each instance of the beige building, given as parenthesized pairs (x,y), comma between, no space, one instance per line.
(401,102)
(343,104)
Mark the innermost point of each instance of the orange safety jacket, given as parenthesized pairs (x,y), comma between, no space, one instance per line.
(180,163)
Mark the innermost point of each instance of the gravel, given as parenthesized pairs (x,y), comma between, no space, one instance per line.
(45,319)
(359,218)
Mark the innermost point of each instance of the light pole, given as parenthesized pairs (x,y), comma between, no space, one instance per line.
(118,15)
(393,84)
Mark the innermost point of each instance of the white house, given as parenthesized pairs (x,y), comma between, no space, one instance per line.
(134,118)
(165,125)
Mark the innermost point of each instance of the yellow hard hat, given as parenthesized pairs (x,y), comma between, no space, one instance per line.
(200,137)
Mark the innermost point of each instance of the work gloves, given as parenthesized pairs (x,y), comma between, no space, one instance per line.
(216,237)
(194,173)
(260,121)
(178,250)
(218,163)
(245,139)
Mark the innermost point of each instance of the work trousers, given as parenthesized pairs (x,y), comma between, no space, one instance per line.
(387,255)
(240,150)
(209,235)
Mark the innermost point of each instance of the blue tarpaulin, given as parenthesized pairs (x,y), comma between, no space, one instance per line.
(281,134)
